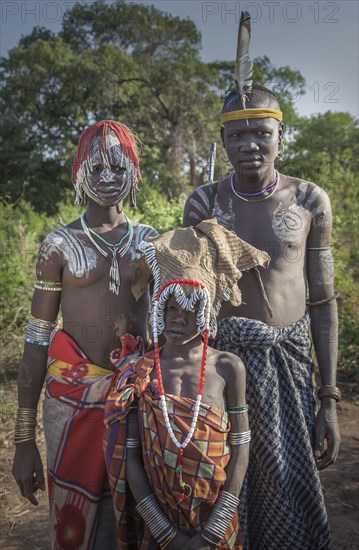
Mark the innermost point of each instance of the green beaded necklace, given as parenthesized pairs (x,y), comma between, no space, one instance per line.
(110,245)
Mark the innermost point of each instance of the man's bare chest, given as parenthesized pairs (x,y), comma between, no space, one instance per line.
(276,224)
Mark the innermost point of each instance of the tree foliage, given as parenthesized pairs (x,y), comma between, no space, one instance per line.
(128,62)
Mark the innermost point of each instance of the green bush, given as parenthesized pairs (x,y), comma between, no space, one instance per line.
(19,231)
(158,211)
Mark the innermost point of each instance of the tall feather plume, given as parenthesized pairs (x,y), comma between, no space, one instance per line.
(244,65)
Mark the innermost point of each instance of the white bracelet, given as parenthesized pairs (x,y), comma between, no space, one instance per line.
(133,443)
(239,438)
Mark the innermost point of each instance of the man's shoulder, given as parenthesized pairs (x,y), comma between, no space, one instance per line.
(207,191)
(299,183)
(308,194)
(206,188)
(200,203)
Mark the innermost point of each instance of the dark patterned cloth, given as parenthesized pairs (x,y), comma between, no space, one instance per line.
(282,505)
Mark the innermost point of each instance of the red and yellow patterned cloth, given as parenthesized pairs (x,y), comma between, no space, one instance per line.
(81,511)
(204,462)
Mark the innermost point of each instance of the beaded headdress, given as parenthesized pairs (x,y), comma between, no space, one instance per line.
(129,159)
(195,264)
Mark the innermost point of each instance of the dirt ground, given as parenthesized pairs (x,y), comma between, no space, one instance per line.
(25,527)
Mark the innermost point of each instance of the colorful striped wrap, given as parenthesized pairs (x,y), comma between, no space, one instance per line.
(204,462)
(81,512)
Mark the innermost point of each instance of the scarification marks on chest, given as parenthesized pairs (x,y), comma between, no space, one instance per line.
(290,224)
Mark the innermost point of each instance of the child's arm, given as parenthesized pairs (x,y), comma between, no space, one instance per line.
(238,416)
(165,532)
(227,502)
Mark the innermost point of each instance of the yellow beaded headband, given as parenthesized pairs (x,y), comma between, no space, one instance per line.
(251,113)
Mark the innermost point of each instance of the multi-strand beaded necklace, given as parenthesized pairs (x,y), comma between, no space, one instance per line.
(163,404)
(258,196)
(117,250)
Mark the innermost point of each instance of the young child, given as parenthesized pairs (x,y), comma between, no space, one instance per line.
(177,425)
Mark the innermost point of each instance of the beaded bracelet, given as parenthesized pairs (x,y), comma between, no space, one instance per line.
(54,286)
(25,425)
(161,528)
(220,518)
(41,322)
(325,301)
(239,409)
(329,391)
(38,331)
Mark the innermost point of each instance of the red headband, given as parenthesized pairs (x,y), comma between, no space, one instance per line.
(187,282)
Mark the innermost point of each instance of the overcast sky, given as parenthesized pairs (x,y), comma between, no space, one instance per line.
(319,38)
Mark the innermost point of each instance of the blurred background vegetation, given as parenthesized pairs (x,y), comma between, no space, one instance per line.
(147,73)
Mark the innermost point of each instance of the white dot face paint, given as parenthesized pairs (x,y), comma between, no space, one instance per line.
(290,224)
(106,176)
(66,243)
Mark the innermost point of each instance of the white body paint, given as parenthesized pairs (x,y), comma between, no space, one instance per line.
(302,191)
(225,218)
(81,258)
(288,223)
(113,155)
(323,219)
(141,233)
(68,244)
(306,200)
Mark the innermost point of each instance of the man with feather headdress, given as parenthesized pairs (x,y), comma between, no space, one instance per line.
(86,268)
(282,504)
